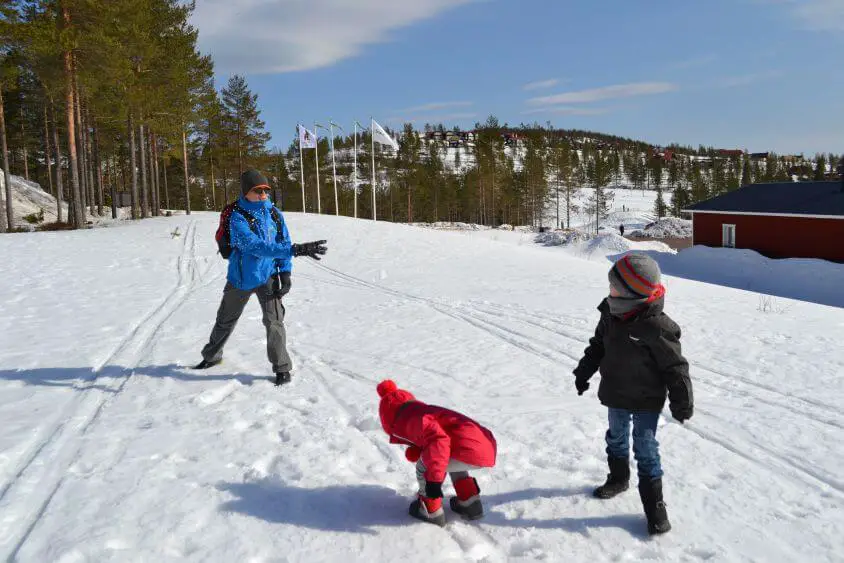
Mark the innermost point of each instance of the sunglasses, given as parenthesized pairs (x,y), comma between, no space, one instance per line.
(262,191)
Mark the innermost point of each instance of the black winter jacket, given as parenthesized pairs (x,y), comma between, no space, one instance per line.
(639,359)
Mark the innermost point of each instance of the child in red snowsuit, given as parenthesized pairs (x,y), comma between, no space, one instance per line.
(439,441)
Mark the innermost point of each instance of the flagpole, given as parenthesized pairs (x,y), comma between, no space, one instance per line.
(355,173)
(334,169)
(356,170)
(302,169)
(372,135)
(316,160)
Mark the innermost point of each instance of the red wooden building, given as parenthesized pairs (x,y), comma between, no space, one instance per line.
(782,220)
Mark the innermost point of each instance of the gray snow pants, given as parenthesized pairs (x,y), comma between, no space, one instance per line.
(457,470)
(234,301)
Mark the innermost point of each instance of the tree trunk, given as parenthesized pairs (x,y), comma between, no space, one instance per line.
(225,186)
(78,215)
(47,160)
(80,147)
(25,156)
(89,159)
(59,184)
(144,184)
(8,220)
(213,187)
(133,168)
(211,161)
(164,175)
(153,172)
(112,176)
(98,167)
(185,161)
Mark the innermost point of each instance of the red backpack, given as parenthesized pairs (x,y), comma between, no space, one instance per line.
(223,235)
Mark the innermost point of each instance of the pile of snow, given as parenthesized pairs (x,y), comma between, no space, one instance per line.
(598,247)
(451,226)
(28,198)
(668,227)
(563,237)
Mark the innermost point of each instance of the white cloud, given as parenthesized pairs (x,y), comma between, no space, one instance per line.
(815,14)
(605,93)
(433,106)
(693,62)
(274,36)
(449,117)
(747,79)
(540,84)
(567,110)
(821,14)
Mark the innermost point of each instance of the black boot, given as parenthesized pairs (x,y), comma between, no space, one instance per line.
(651,494)
(618,480)
(205,364)
(282,377)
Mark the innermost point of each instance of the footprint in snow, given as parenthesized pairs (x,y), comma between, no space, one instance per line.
(217,395)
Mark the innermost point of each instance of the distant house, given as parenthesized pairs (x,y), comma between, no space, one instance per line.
(781,220)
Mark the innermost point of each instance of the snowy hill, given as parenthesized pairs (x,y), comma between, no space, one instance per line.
(111,449)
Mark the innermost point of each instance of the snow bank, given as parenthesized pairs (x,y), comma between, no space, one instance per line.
(600,247)
(451,226)
(668,227)
(28,198)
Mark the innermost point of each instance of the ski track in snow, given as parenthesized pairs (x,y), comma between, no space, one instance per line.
(41,471)
(765,456)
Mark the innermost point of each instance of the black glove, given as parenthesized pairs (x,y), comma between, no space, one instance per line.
(433,490)
(279,284)
(581,384)
(312,249)
(681,413)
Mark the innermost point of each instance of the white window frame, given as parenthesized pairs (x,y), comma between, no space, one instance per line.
(728,228)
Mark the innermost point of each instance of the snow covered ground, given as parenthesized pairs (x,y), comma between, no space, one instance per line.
(111,449)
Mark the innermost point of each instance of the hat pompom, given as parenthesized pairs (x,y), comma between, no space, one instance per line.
(386,387)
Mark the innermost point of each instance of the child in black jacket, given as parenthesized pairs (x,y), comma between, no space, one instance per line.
(637,349)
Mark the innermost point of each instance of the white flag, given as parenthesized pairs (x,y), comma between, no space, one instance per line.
(307,140)
(380,136)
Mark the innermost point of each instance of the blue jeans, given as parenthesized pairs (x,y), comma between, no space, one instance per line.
(645,446)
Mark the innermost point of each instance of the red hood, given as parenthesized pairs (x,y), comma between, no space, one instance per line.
(392,398)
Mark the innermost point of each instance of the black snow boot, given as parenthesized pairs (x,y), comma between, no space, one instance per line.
(651,494)
(205,364)
(282,377)
(618,480)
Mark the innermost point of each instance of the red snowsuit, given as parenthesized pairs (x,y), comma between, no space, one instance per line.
(441,434)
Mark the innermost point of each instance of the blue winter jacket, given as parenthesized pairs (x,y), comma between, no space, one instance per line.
(255,258)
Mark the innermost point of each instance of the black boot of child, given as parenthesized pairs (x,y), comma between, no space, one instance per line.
(651,494)
(618,480)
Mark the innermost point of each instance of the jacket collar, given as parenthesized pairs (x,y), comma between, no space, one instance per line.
(254,206)
(649,310)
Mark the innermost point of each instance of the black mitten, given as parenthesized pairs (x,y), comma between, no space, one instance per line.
(311,249)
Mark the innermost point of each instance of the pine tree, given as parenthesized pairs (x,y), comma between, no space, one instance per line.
(243,120)
(660,208)
(599,175)
(820,168)
(746,175)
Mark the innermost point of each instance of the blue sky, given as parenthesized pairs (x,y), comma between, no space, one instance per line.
(754,74)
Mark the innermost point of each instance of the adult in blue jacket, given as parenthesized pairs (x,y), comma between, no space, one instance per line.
(260,264)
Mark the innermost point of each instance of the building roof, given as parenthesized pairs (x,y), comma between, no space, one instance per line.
(785,198)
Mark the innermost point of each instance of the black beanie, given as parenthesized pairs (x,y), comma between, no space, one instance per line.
(252,179)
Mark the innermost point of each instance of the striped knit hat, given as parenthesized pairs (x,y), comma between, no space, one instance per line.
(636,276)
